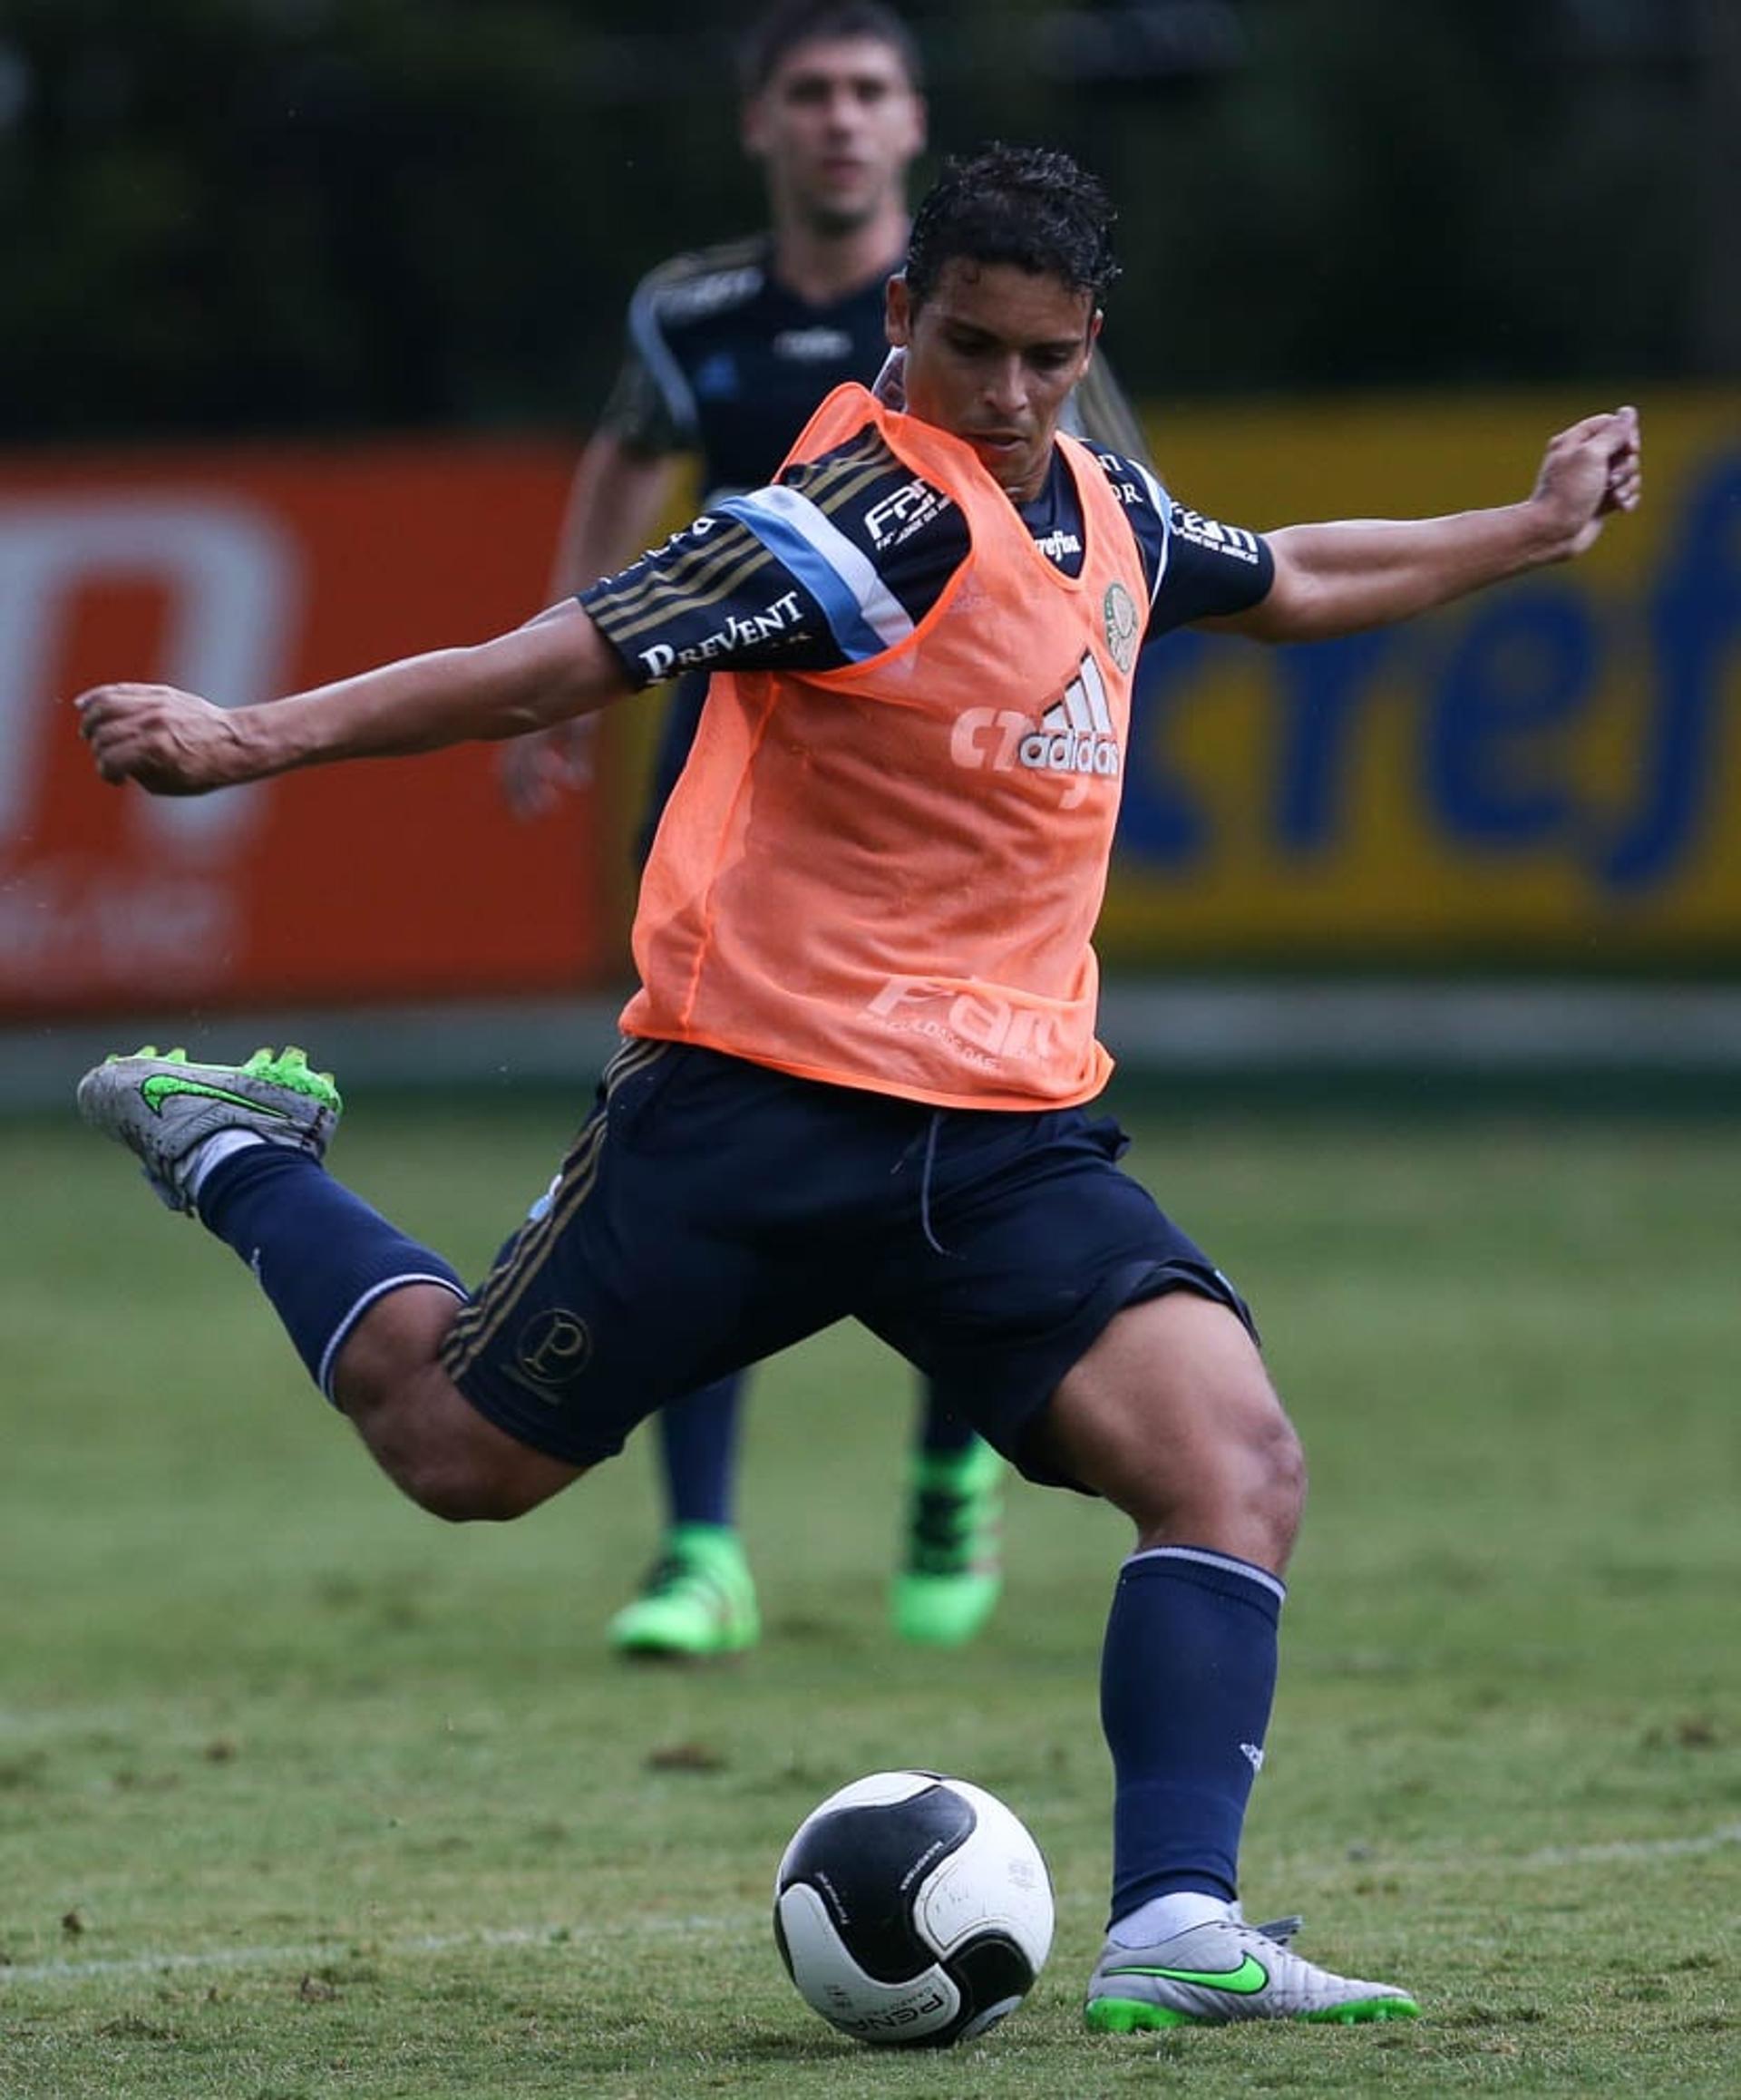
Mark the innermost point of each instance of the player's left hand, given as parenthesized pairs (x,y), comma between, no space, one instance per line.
(1589,472)
(171,743)
(536,770)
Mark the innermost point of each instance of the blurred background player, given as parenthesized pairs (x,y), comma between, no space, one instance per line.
(730,349)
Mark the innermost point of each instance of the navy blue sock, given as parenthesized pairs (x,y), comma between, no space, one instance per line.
(319,1253)
(1187,1678)
(943,1432)
(698,1437)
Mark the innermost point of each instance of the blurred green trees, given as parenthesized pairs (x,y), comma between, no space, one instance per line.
(284,216)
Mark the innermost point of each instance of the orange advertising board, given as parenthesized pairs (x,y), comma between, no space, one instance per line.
(243,574)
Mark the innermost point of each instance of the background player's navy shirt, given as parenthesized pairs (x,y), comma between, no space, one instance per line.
(725,362)
(791,575)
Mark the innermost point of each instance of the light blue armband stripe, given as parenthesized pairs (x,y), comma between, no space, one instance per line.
(863,614)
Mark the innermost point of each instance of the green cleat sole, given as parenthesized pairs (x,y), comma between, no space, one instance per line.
(1125,2016)
(1129,2016)
(1364,2011)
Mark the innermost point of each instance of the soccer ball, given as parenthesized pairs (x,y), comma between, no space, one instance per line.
(913,1909)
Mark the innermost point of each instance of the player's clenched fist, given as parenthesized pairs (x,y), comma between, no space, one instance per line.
(1590,471)
(169,742)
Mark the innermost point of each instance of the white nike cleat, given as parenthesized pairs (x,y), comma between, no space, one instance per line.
(1224,1969)
(164,1108)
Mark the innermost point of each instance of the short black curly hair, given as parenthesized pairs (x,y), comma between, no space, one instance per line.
(1031,206)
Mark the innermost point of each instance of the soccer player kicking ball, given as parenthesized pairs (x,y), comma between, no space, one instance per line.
(863,942)
(730,349)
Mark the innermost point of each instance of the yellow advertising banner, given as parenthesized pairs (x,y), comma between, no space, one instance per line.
(1548,774)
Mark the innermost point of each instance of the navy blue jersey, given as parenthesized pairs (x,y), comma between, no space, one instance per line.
(804,575)
(724,362)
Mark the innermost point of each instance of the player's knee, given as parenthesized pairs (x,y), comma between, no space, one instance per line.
(1275,1464)
(446,1457)
(461,1494)
(437,1471)
(1245,1476)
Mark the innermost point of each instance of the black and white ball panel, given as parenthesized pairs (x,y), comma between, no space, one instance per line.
(912,1909)
(865,1865)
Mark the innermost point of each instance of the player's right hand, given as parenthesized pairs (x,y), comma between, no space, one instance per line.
(537,770)
(171,743)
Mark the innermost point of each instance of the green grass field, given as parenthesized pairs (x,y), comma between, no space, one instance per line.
(304,1794)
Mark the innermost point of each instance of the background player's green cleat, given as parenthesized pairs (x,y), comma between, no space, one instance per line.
(698,1600)
(954,1573)
(163,1107)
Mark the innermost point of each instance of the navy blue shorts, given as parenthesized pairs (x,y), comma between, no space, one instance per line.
(713,1212)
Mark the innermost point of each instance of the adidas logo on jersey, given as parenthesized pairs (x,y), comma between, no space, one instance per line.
(1074,738)
(1075,734)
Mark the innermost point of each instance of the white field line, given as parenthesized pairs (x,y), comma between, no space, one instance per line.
(355,1948)
(1713,1841)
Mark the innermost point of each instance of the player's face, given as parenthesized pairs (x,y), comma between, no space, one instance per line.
(836,127)
(991,356)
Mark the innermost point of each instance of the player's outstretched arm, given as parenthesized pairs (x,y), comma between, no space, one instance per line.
(1336,579)
(177,743)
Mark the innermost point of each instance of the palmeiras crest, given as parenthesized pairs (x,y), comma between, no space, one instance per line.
(1122,628)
